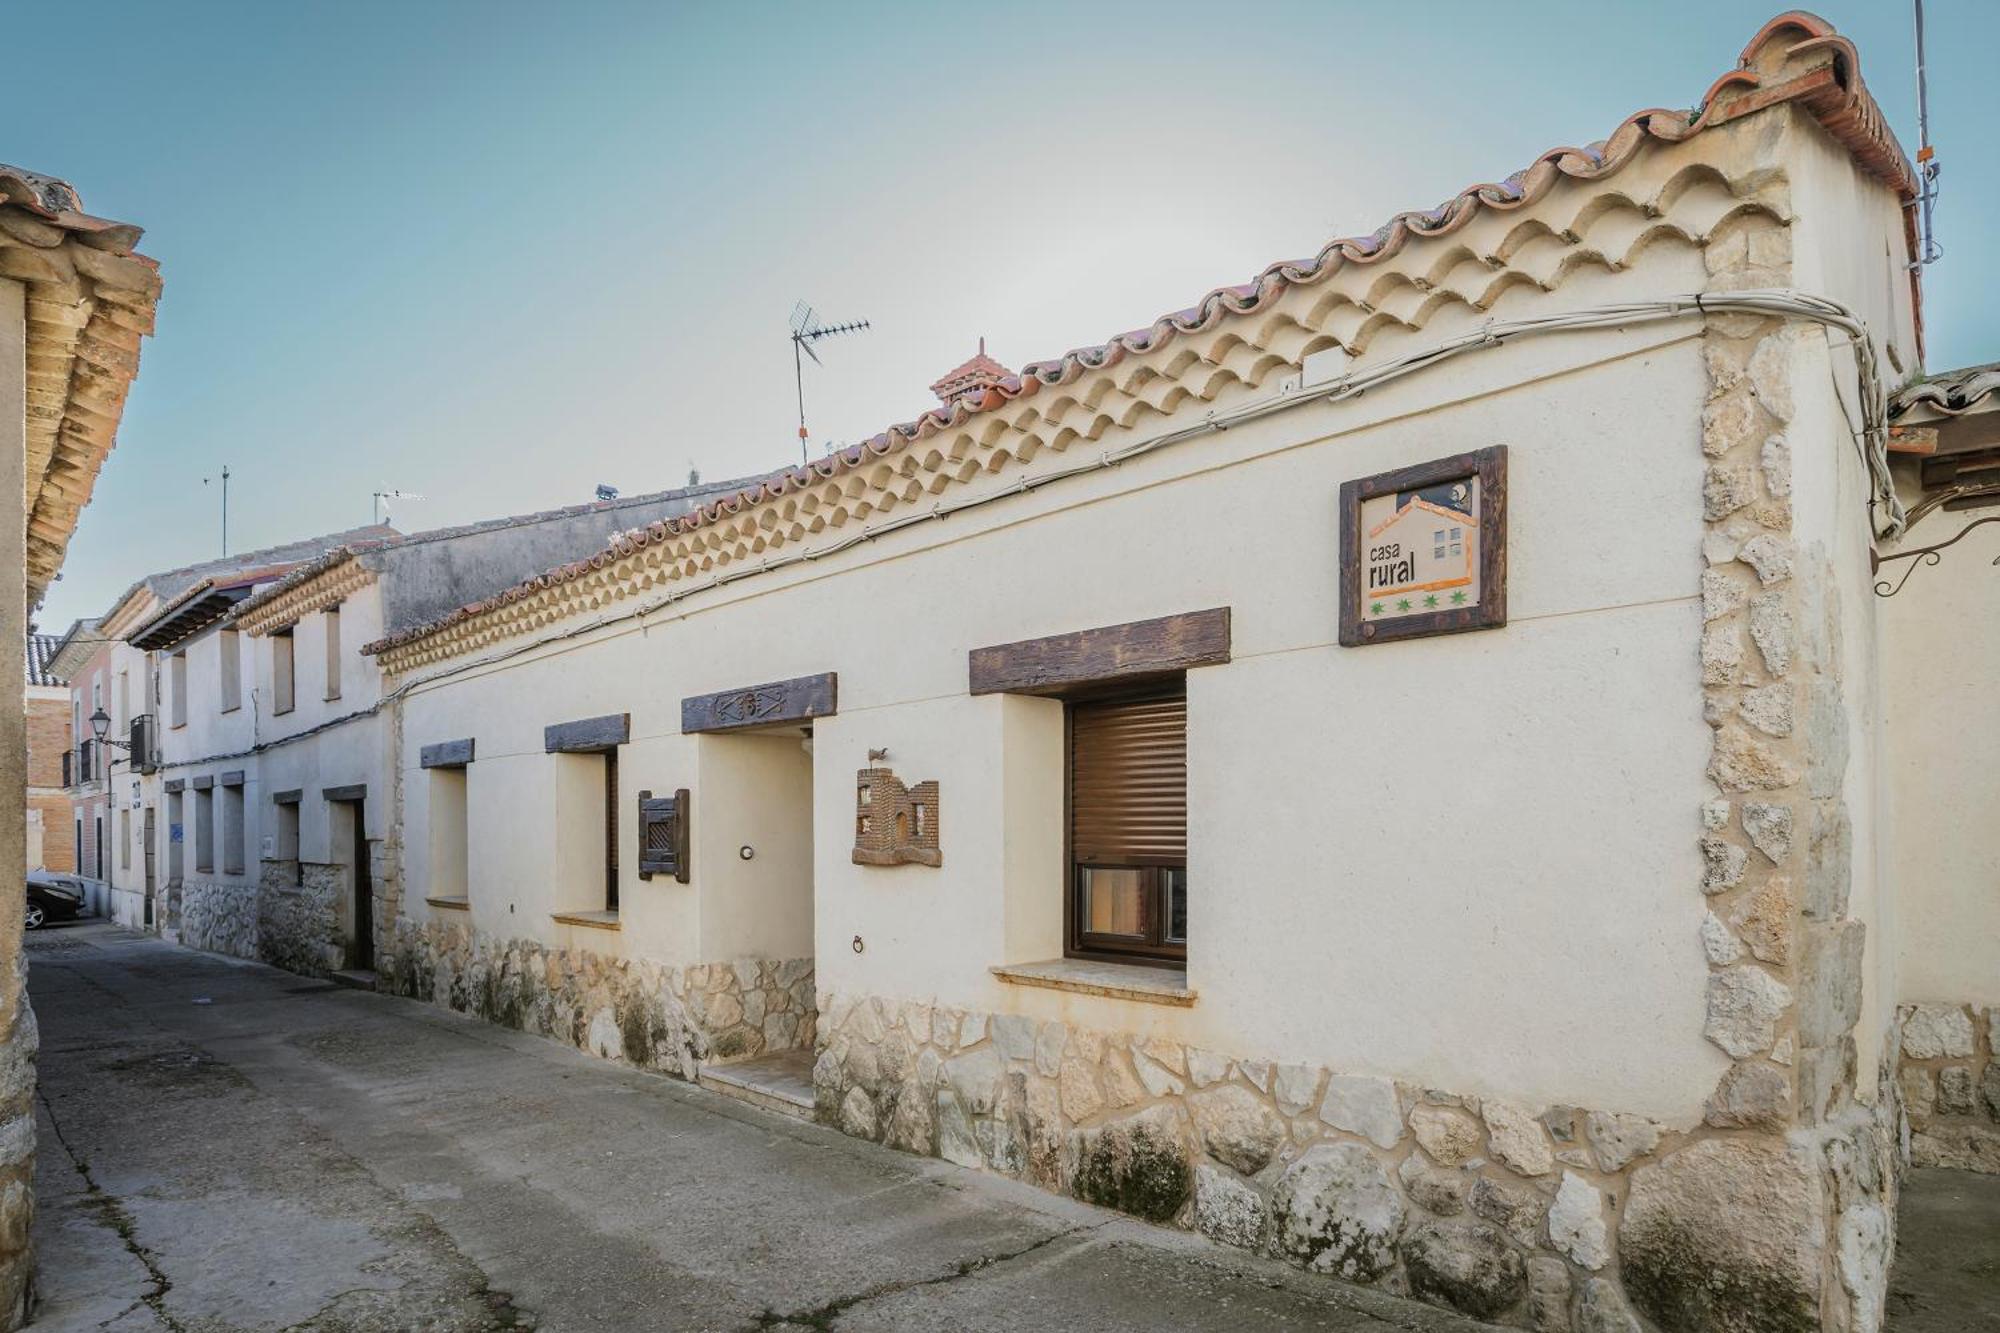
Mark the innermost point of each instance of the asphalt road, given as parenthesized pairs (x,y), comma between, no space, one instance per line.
(225,1146)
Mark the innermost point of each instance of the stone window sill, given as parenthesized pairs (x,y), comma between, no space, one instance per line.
(595,920)
(1117,981)
(462,903)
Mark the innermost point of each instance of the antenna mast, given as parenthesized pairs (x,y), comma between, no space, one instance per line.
(807,330)
(1929,251)
(225,506)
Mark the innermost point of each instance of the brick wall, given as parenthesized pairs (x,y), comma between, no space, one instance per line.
(48,737)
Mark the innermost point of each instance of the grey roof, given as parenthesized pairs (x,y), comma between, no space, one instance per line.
(171,583)
(1952,393)
(41,648)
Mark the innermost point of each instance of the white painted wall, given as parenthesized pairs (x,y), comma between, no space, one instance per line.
(1519,920)
(1941,637)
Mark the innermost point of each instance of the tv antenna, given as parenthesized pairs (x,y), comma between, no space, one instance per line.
(225,506)
(807,330)
(380,496)
(1929,251)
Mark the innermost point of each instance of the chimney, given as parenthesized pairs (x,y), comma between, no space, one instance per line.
(972,379)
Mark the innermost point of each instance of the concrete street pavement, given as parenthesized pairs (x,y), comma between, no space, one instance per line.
(226,1146)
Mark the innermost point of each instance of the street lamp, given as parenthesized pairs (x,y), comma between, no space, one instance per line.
(100,727)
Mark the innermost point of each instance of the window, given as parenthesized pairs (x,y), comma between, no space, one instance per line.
(204,829)
(176,836)
(123,721)
(449,847)
(178,669)
(611,830)
(1128,825)
(332,619)
(125,839)
(231,672)
(282,698)
(286,843)
(232,831)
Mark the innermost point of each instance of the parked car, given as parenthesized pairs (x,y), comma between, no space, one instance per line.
(52,897)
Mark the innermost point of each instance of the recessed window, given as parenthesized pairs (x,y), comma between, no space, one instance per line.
(231,672)
(285,841)
(177,670)
(1128,825)
(332,619)
(204,829)
(284,697)
(233,833)
(449,848)
(611,830)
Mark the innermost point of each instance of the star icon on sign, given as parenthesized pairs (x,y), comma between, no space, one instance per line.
(1403,605)
(1375,609)
(1431,600)
(1458,596)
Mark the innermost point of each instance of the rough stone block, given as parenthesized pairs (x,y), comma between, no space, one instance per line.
(1464,1265)
(1769,828)
(1364,1106)
(1335,1211)
(1751,1096)
(1440,1192)
(1742,763)
(1227,1208)
(1956,1093)
(1576,1223)
(1771,631)
(1725,1236)
(1743,1008)
(1517,1139)
(1723,865)
(1765,920)
(1449,1135)
(1618,1139)
(1237,1127)
(1770,555)
(1724,490)
(1934,1031)
(1830,981)
(1829,865)
(1548,1294)
(1768,708)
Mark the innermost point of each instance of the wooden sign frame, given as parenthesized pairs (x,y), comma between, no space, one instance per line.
(1489,611)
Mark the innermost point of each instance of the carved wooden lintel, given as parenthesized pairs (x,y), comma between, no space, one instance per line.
(1112,653)
(588,735)
(290,796)
(800,699)
(895,825)
(203,781)
(233,778)
(353,791)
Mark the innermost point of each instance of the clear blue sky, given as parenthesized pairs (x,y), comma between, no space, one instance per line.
(496,253)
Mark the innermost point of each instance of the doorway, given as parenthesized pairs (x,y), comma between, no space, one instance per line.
(148,832)
(348,835)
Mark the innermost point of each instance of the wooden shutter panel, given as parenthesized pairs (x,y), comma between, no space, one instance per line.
(663,835)
(1128,781)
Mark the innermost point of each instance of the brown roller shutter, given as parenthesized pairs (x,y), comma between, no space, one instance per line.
(1128,781)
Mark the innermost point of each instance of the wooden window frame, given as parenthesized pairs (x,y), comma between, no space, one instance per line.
(284,671)
(1157,950)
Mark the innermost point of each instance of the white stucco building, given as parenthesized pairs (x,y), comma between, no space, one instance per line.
(1035,785)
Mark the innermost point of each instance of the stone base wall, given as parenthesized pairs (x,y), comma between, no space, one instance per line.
(219,915)
(669,1019)
(298,917)
(1950,1075)
(19,1044)
(1550,1218)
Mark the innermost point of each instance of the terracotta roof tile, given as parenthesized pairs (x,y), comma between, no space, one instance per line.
(1951,393)
(1832,92)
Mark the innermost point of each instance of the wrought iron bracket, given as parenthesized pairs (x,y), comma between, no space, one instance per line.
(1922,555)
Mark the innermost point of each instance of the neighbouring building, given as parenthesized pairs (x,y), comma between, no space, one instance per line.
(250,800)
(1421,764)
(49,847)
(75,300)
(138,696)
